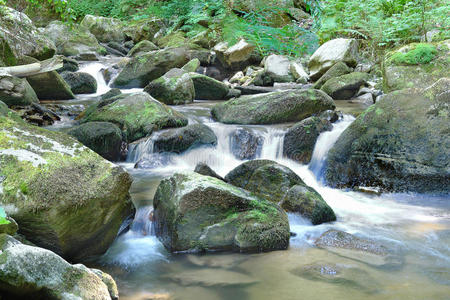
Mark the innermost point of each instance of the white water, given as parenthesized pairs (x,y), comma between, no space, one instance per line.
(94,69)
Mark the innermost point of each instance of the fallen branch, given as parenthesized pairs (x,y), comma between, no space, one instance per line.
(44,66)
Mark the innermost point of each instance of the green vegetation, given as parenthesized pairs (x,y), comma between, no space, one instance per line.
(420,54)
(3,217)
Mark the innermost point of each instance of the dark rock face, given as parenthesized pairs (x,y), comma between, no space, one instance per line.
(245,144)
(300,140)
(346,86)
(204,169)
(399,144)
(80,83)
(201,213)
(101,137)
(273,108)
(37,115)
(69,65)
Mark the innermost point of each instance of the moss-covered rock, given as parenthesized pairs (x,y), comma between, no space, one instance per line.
(104,29)
(173,88)
(137,115)
(72,40)
(332,52)
(201,213)
(401,143)
(208,88)
(20,37)
(28,272)
(279,184)
(143,29)
(101,137)
(80,83)
(8,225)
(140,70)
(345,86)
(181,139)
(416,66)
(192,65)
(141,48)
(337,70)
(273,108)
(16,91)
(300,139)
(64,197)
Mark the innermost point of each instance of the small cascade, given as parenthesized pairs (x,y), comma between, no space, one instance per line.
(324,143)
(95,69)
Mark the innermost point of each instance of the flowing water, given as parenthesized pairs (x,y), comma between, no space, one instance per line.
(416,229)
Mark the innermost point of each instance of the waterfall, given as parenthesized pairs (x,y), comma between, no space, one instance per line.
(94,69)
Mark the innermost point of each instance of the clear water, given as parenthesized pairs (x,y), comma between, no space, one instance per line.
(416,229)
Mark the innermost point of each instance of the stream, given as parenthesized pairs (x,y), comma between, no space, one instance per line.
(414,227)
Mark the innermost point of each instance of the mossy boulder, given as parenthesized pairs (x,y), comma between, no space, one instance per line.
(16,91)
(19,37)
(399,144)
(141,70)
(201,213)
(208,88)
(273,108)
(346,86)
(69,65)
(192,65)
(185,138)
(279,184)
(336,70)
(72,40)
(64,197)
(416,66)
(80,83)
(173,88)
(300,139)
(136,114)
(143,29)
(104,29)
(332,52)
(28,272)
(7,224)
(103,138)
(142,47)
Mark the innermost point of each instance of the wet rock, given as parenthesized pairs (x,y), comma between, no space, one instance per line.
(185,138)
(87,56)
(101,137)
(104,29)
(64,197)
(223,261)
(118,47)
(140,70)
(153,161)
(136,114)
(212,278)
(245,144)
(173,88)
(254,90)
(300,139)
(80,83)
(332,52)
(233,93)
(28,272)
(277,67)
(273,108)
(398,144)
(204,169)
(110,94)
(142,47)
(346,86)
(16,91)
(208,88)
(201,213)
(69,65)
(37,115)
(336,70)
(331,115)
(366,99)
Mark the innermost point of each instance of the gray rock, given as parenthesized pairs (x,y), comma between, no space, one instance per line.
(142,47)
(16,91)
(204,169)
(245,144)
(277,67)
(173,88)
(80,83)
(208,88)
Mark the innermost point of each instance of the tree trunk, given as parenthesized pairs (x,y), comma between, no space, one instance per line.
(44,66)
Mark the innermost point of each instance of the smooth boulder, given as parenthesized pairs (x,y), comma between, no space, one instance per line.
(208,88)
(142,47)
(273,108)
(245,144)
(173,88)
(64,197)
(399,144)
(345,86)
(336,70)
(201,213)
(104,29)
(80,83)
(16,91)
(277,67)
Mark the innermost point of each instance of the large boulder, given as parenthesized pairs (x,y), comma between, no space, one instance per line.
(401,143)
(181,139)
(16,91)
(101,137)
(346,86)
(72,40)
(195,212)
(142,47)
(64,197)
(80,83)
(273,108)
(337,70)
(140,70)
(238,56)
(19,37)
(279,184)
(277,67)
(28,272)
(173,88)
(332,52)
(300,139)
(416,66)
(136,114)
(208,88)
(104,29)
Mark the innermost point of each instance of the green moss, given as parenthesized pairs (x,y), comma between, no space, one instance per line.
(420,54)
